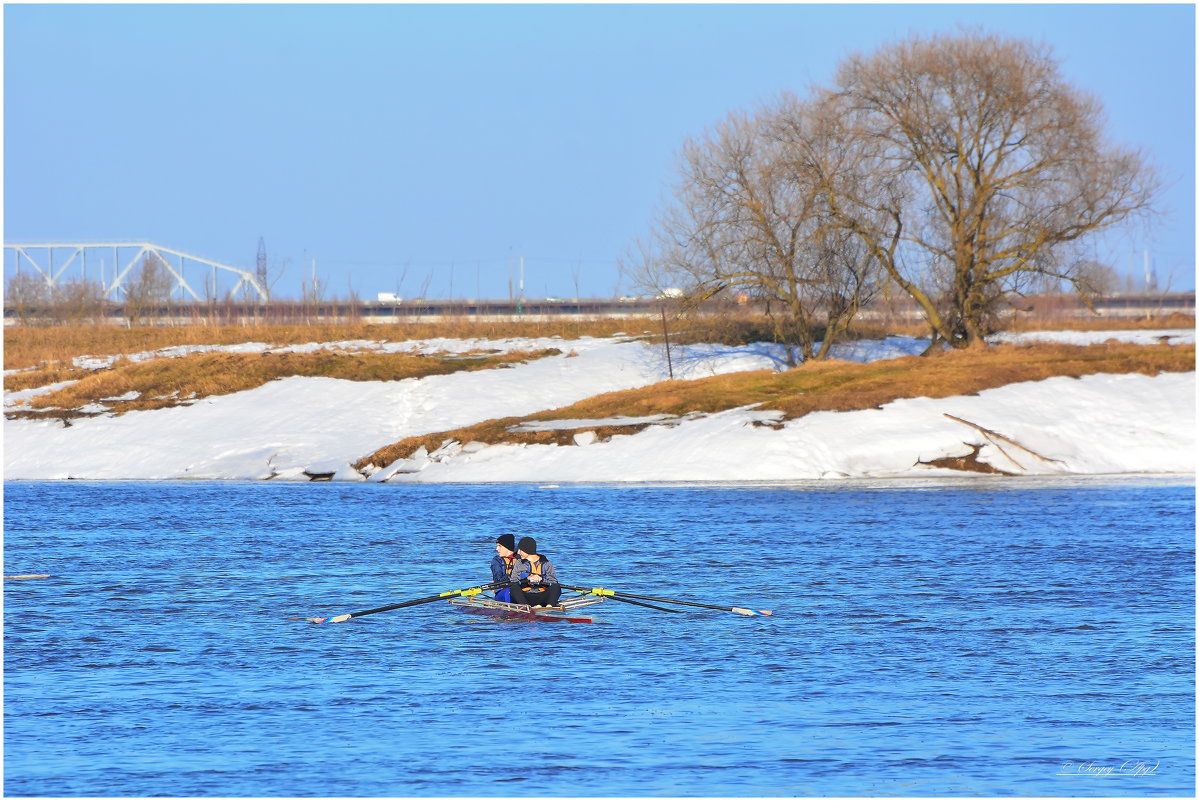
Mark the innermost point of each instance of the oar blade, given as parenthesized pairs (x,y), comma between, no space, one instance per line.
(751,612)
(337,619)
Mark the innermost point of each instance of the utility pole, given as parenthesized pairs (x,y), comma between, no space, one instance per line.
(666,337)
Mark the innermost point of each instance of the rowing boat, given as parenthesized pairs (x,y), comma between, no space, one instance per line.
(474,601)
(564,612)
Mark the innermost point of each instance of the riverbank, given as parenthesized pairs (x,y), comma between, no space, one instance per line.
(1136,416)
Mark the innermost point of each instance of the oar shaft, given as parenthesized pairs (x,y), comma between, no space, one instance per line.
(614,594)
(647,606)
(401,605)
(428,600)
(404,604)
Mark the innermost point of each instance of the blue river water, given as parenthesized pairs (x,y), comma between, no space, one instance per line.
(973,637)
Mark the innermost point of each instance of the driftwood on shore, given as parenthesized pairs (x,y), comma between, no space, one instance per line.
(970,461)
(995,435)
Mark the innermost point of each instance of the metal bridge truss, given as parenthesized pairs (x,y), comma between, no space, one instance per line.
(52,262)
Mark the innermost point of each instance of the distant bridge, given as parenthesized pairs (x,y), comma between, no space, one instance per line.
(58,262)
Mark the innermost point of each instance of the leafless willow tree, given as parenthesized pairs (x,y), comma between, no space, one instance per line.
(748,218)
(964,167)
(978,171)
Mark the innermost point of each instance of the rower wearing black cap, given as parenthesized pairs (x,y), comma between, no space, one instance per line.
(503,564)
(537,583)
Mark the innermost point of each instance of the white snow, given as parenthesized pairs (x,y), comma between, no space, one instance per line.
(14,400)
(567,424)
(296,428)
(1172,336)
(416,346)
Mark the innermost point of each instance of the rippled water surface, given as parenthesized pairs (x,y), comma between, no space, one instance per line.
(981,637)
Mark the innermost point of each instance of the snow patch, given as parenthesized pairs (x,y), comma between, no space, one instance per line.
(296,428)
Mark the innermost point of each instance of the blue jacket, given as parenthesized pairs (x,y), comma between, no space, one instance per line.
(500,572)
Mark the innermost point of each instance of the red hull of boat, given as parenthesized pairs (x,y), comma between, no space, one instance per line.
(507,614)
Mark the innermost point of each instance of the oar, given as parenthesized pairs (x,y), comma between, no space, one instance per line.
(416,602)
(619,596)
(639,603)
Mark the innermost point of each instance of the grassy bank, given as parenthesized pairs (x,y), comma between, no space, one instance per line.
(26,347)
(820,386)
(160,383)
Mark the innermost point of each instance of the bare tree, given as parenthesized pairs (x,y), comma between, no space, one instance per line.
(312,295)
(979,170)
(28,295)
(77,301)
(149,286)
(353,306)
(750,219)
(1096,279)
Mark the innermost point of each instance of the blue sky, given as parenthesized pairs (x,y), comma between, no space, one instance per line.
(403,147)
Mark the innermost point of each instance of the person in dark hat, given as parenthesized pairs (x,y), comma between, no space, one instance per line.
(504,564)
(537,583)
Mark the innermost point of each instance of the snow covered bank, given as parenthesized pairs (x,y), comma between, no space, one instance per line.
(296,428)
(1094,425)
(1171,336)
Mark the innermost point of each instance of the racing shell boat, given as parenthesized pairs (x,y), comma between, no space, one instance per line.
(565,611)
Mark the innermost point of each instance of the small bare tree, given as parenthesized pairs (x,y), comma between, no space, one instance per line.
(749,219)
(979,170)
(150,286)
(353,304)
(312,295)
(28,295)
(78,301)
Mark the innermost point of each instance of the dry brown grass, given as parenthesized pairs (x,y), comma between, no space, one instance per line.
(824,386)
(168,382)
(746,327)
(27,346)
(1095,323)
(1024,322)
(33,346)
(43,377)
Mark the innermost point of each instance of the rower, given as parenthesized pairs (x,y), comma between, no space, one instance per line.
(538,582)
(503,564)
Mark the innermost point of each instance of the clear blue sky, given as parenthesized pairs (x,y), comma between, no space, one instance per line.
(453,139)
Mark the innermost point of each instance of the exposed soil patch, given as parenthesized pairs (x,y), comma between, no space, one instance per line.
(969,463)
